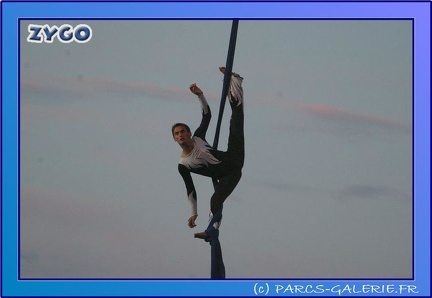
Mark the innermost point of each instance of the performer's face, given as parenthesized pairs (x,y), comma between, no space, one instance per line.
(181,135)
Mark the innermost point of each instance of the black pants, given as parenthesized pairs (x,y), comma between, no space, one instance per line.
(236,156)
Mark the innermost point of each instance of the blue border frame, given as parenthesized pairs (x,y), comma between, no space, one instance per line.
(12,12)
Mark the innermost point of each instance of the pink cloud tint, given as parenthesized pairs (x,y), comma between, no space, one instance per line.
(336,113)
(79,87)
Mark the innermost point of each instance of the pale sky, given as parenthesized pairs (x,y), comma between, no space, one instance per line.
(327,183)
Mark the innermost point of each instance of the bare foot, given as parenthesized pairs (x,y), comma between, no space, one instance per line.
(223,68)
(201,235)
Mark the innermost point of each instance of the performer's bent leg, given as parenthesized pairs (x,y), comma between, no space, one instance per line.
(224,188)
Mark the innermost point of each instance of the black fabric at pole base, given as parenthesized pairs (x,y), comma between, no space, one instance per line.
(217,264)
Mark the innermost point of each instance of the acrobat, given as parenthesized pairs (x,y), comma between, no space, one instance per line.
(200,158)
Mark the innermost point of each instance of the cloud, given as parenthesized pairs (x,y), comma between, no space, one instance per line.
(361,192)
(351,120)
(80,87)
(330,118)
(286,186)
(130,88)
(372,192)
(49,91)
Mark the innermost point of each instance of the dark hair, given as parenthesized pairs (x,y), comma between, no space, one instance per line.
(180,124)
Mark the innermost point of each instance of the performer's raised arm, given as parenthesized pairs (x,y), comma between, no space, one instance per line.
(206,112)
(198,92)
